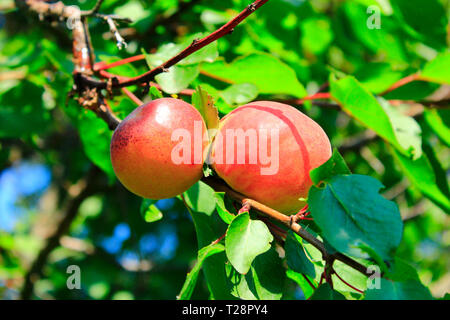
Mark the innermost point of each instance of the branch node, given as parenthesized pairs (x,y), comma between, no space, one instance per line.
(245,206)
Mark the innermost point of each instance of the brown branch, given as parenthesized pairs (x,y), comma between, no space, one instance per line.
(107,75)
(133,98)
(401,82)
(94,10)
(104,112)
(193,47)
(120,41)
(309,281)
(56,10)
(83,83)
(220,186)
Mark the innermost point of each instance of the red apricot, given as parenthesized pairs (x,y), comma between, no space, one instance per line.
(146,154)
(265,151)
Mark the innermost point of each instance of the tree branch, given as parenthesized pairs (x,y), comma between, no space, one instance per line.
(193,47)
(94,10)
(220,186)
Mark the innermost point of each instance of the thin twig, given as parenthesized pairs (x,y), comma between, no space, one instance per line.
(132,96)
(220,186)
(193,47)
(94,10)
(120,41)
(401,82)
(309,281)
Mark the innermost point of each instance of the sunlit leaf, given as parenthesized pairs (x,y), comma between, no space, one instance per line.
(268,73)
(245,240)
(350,211)
(191,278)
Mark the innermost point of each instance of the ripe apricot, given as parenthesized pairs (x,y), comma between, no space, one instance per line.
(147,155)
(265,151)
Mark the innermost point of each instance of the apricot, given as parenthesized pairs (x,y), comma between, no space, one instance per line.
(157,150)
(265,151)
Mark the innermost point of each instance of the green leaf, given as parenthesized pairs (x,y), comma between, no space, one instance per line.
(245,240)
(407,131)
(22,112)
(416,90)
(439,171)
(296,257)
(191,278)
(204,103)
(350,211)
(96,138)
(375,256)
(421,174)
(439,121)
(164,53)
(266,72)
(200,197)
(226,215)
(437,69)
(404,290)
(155,93)
(334,166)
(316,34)
(239,93)
(377,77)
(425,22)
(57,56)
(385,41)
(349,275)
(208,53)
(149,211)
(133,10)
(177,78)
(401,271)
(302,282)
(208,228)
(324,292)
(264,281)
(364,107)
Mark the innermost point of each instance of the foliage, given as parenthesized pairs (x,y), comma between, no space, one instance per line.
(382,199)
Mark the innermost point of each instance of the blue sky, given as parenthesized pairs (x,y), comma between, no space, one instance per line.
(22,180)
